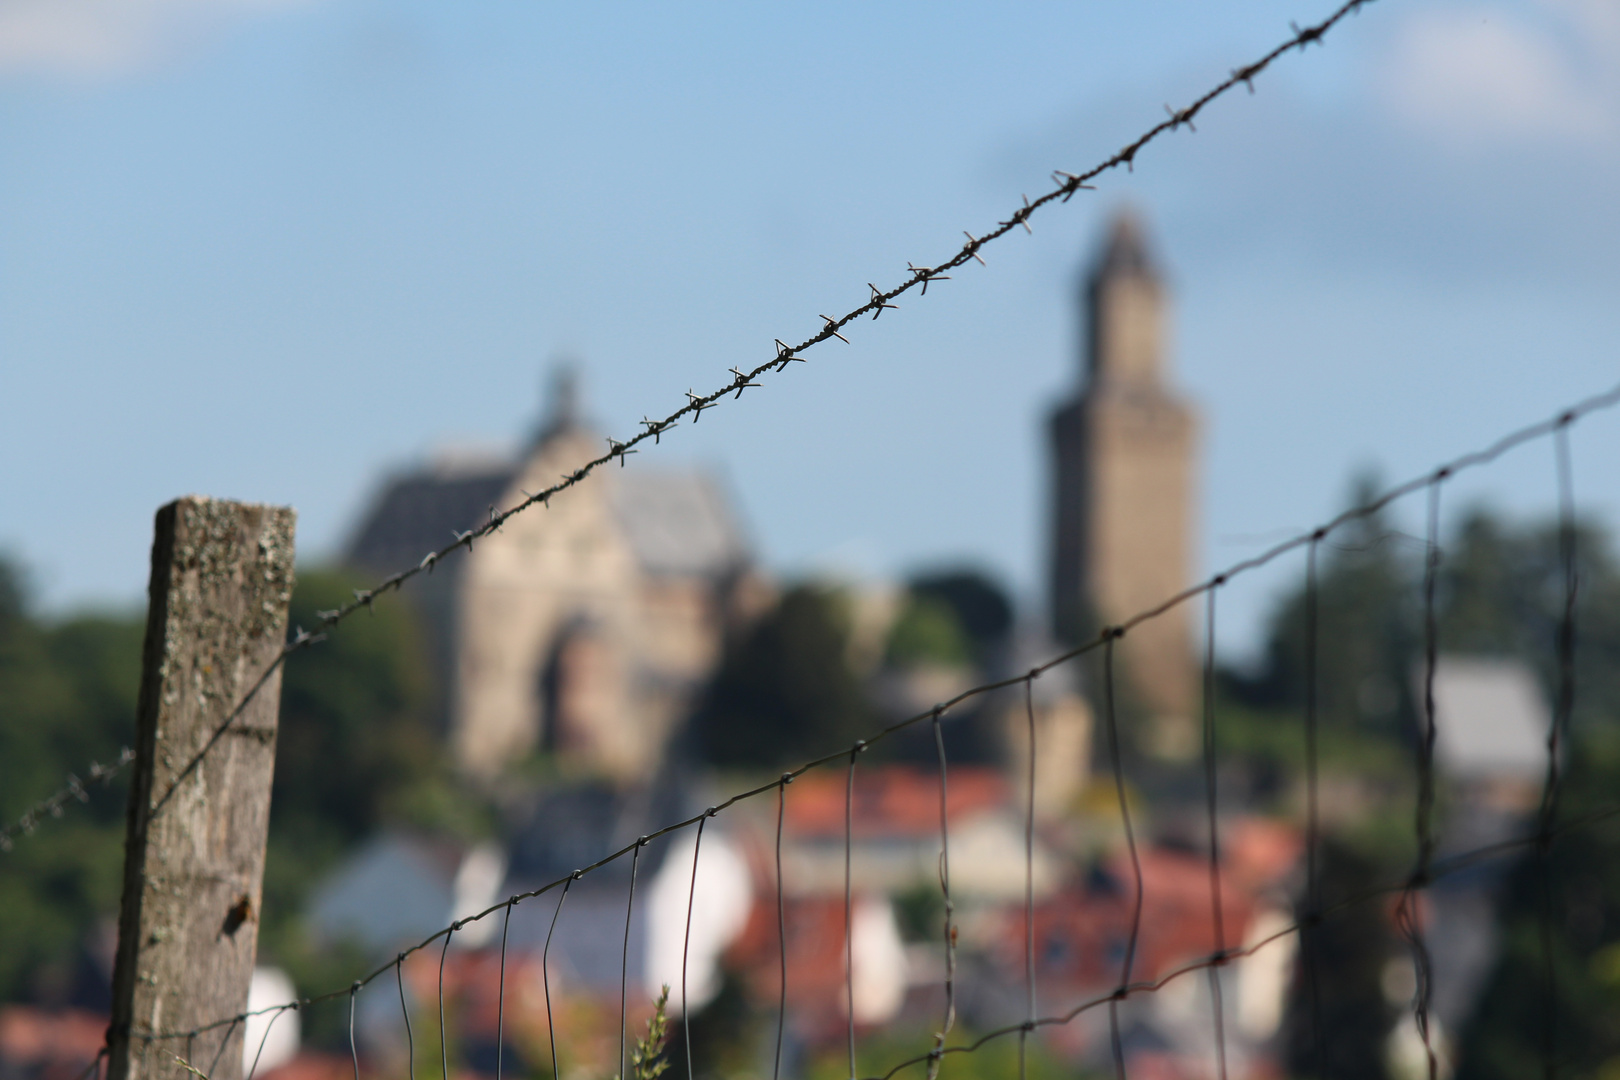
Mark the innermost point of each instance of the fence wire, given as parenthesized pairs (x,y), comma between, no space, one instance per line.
(1406,890)
(75,790)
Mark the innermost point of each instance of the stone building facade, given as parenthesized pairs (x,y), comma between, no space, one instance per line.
(1124,453)
(583,629)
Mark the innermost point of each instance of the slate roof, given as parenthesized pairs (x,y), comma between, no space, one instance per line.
(418,512)
(678,522)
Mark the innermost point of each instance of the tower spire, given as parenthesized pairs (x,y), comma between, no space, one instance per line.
(1124,302)
(562,409)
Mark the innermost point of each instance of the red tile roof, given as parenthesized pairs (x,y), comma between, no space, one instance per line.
(889,800)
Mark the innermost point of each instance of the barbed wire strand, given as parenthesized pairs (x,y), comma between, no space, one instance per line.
(1212,807)
(75,790)
(1473,459)
(1065,185)
(1561,718)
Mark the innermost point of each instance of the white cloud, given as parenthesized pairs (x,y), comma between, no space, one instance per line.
(1488,75)
(99,38)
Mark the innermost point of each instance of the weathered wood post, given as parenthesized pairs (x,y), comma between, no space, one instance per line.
(199,804)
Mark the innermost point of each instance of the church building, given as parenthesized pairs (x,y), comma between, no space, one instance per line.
(583,628)
(1124,455)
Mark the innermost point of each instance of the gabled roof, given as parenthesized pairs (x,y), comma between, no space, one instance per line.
(419,512)
(678,523)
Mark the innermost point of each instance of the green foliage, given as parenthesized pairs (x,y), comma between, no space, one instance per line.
(785,691)
(356,751)
(67,696)
(1573,895)
(648,1060)
(927,632)
(1342,1035)
(1500,592)
(1368,626)
(982,609)
(920,912)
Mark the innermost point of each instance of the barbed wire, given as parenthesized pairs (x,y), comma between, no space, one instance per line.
(1104,640)
(75,790)
(1065,185)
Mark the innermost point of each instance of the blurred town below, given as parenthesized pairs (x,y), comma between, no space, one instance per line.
(620,660)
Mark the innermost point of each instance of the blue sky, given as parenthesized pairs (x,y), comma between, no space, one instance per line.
(269,250)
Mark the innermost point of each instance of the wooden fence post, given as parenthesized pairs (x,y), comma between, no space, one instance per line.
(199,805)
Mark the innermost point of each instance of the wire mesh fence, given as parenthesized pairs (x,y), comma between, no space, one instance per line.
(459,979)
(1131,979)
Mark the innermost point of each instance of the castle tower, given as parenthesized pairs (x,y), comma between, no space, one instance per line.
(1123,454)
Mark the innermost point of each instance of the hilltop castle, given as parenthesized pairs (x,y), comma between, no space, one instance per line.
(584,630)
(1124,452)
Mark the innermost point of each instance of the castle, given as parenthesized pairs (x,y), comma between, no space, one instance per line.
(586,630)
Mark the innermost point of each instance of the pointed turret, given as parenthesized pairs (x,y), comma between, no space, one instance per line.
(562,409)
(1124,301)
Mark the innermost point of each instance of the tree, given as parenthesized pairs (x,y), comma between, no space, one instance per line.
(785,690)
(67,697)
(982,609)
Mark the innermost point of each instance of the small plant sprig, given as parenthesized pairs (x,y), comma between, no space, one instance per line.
(648,1062)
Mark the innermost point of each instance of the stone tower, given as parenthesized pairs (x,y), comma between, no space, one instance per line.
(1124,457)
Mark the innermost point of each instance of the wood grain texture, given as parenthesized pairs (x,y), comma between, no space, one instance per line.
(199,810)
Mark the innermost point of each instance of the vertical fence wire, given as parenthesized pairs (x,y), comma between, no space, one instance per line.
(624,960)
(500,995)
(781,925)
(221,1051)
(1212,808)
(354,1051)
(405,1011)
(1409,912)
(1029,880)
(1313,822)
(949,1021)
(686,946)
(849,922)
(444,1044)
(545,972)
(1111,636)
(1557,732)
(257,1054)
